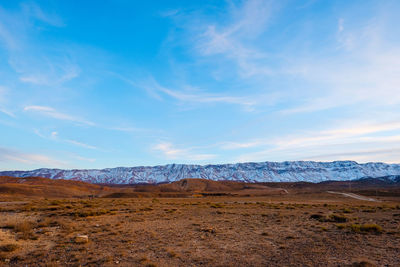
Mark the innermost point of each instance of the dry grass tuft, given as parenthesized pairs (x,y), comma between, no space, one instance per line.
(371,228)
(331,218)
(8,247)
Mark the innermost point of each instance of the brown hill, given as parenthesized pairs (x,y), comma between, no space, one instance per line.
(44,187)
(204,186)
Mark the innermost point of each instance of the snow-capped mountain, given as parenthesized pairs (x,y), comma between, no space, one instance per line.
(250,172)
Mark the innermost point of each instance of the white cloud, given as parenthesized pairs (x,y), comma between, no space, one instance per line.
(52,113)
(34,11)
(343,142)
(239,145)
(36,66)
(204,98)
(391,155)
(15,156)
(74,142)
(191,95)
(84,159)
(54,135)
(247,22)
(7,112)
(362,71)
(170,152)
(3,101)
(46,78)
(340,25)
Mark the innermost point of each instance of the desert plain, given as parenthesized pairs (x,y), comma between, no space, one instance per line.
(197,223)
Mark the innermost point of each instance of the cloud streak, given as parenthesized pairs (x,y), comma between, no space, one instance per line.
(18,30)
(232,40)
(53,113)
(15,156)
(191,95)
(171,152)
(55,137)
(341,141)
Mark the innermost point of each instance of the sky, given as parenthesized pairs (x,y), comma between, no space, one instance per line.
(98,84)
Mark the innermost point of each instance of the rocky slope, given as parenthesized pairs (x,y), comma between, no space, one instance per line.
(249,172)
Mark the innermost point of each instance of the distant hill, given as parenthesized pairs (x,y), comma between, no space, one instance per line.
(295,171)
(45,187)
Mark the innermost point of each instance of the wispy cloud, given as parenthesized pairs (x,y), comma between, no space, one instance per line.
(340,141)
(7,112)
(32,10)
(362,70)
(192,95)
(3,109)
(240,145)
(391,155)
(53,113)
(18,30)
(84,158)
(202,97)
(54,135)
(14,156)
(74,142)
(51,73)
(246,22)
(171,152)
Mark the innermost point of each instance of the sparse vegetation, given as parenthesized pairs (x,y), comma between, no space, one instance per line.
(8,247)
(207,231)
(331,218)
(371,228)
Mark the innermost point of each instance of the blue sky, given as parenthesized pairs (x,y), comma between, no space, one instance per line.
(95,84)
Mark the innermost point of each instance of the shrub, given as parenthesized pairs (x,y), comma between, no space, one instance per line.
(371,228)
(25,229)
(8,247)
(318,217)
(363,263)
(331,218)
(341,226)
(338,218)
(172,254)
(47,222)
(345,210)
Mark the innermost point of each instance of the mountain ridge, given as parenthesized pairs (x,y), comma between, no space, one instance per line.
(287,171)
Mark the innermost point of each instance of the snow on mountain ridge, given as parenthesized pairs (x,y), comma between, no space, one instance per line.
(288,171)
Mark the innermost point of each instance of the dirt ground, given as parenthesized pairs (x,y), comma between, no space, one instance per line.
(318,229)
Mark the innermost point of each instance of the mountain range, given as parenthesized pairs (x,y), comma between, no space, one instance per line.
(288,171)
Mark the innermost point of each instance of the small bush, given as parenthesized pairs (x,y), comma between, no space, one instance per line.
(371,210)
(332,218)
(363,263)
(172,254)
(338,218)
(345,210)
(47,222)
(371,228)
(25,228)
(318,217)
(8,247)
(341,226)
(216,205)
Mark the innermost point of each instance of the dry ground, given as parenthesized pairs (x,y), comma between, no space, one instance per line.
(313,229)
